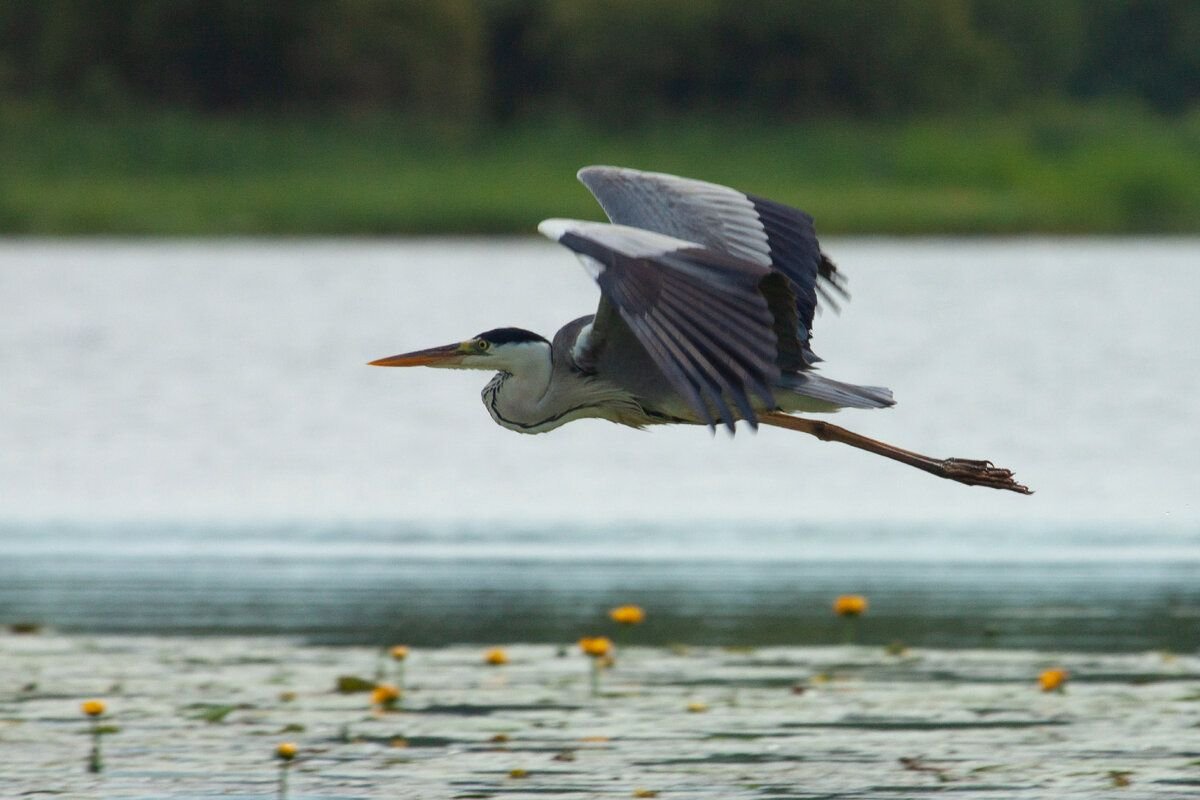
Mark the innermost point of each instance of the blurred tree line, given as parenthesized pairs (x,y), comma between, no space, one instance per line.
(612,61)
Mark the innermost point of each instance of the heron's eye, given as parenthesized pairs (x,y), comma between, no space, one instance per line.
(483,344)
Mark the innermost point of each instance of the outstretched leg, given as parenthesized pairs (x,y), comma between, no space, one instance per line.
(973,473)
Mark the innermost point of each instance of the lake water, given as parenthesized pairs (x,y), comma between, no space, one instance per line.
(190,441)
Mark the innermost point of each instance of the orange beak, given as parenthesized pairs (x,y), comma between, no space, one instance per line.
(444,356)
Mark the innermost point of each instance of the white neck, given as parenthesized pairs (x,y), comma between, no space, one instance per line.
(517,396)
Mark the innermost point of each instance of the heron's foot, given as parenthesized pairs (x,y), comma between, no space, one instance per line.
(981,473)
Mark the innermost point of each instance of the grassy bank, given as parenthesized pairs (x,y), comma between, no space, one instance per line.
(1069,170)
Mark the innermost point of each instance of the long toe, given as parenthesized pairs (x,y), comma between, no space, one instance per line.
(982,473)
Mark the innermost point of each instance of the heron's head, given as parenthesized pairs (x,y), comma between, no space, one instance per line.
(498,350)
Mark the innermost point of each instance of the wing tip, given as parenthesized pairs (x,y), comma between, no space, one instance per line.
(594,173)
(589,169)
(555,228)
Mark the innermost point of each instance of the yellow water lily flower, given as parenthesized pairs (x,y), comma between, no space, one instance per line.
(93,708)
(399,652)
(1053,680)
(286,751)
(850,605)
(628,615)
(385,695)
(596,646)
(495,657)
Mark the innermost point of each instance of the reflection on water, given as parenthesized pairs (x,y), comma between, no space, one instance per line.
(189,440)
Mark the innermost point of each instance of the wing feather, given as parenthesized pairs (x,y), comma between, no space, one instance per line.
(723,219)
(721,318)
(700,373)
(733,374)
(669,364)
(697,313)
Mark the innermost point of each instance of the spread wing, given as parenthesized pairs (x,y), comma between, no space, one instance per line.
(697,312)
(743,225)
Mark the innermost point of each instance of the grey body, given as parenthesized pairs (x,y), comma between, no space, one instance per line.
(576,383)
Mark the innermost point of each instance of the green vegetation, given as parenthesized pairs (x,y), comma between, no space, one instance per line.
(465,62)
(427,116)
(211,712)
(1061,169)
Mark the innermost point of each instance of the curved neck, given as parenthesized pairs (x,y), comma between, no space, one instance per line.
(517,396)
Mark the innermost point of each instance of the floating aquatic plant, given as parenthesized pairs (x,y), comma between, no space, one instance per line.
(350,684)
(212,713)
(595,646)
(1053,680)
(285,752)
(385,697)
(628,615)
(599,650)
(495,657)
(850,607)
(94,709)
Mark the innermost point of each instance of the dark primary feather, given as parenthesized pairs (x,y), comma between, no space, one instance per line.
(697,313)
(796,253)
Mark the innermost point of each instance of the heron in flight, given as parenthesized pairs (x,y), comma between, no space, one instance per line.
(707,297)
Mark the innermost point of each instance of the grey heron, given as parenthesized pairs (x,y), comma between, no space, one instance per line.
(707,297)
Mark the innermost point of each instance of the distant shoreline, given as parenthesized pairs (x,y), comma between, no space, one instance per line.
(1097,169)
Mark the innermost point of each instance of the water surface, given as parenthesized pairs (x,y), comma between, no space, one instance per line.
(190,440)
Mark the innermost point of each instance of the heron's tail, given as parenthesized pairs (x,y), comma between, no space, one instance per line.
(842,395)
